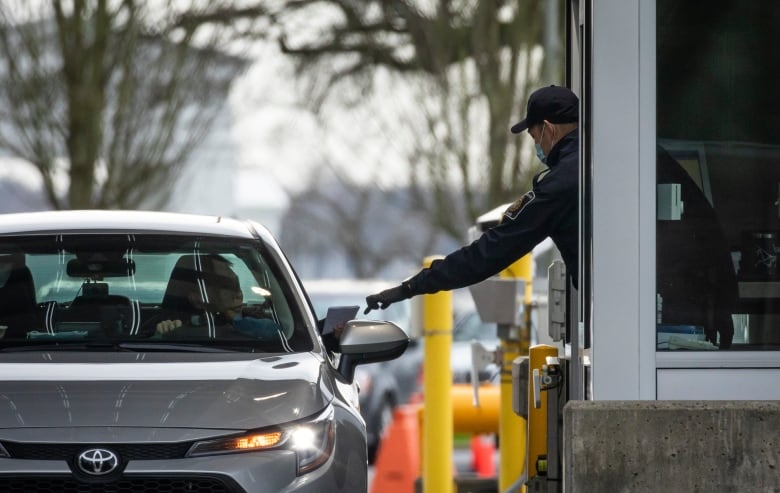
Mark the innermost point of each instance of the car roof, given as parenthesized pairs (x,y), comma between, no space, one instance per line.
(128,221)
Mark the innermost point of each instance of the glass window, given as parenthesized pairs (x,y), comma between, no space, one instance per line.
(127,289)
(718,175)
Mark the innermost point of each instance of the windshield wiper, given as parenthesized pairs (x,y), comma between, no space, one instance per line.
(135,347)
(163,347)
(64,346)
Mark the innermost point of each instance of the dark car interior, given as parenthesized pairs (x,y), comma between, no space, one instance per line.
(103,288)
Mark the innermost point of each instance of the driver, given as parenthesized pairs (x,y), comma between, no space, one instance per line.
(220,304)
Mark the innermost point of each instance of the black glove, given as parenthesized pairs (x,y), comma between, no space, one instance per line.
(387,297)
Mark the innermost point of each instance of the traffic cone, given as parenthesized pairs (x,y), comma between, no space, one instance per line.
(397,464)
(483,449)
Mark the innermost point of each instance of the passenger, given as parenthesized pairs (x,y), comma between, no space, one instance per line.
(220,307)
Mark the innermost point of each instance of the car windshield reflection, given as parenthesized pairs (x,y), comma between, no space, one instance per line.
(178,292)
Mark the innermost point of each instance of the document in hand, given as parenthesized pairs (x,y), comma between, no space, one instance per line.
(337,315)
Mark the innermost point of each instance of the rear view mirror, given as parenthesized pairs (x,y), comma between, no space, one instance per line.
(100,268)
(369,341)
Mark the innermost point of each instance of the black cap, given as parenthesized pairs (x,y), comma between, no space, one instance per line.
(555,104)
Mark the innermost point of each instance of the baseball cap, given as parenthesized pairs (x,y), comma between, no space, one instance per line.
(555,104)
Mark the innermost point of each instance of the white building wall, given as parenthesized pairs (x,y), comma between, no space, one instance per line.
(623,143)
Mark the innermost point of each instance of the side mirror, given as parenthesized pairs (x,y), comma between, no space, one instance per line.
(369,341)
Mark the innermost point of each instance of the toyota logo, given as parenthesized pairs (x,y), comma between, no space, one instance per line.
(97,461)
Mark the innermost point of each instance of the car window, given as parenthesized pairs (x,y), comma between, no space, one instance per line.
(150,288)
(147,285)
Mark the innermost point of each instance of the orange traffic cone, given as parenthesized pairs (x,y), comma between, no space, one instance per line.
(397,464)
(483,450)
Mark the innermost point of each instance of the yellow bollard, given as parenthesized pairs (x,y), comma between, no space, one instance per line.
(522,269)
(512,429)
(537,417)
(437,440)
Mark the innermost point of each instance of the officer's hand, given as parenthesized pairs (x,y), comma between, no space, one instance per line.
(386,298)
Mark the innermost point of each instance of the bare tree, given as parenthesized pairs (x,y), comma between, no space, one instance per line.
(476,62)
(111,97)
(363,229)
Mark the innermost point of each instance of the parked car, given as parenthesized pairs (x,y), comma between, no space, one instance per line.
(384,385)
(160,352)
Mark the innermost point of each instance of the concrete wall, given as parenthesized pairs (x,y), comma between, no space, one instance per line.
(671,446)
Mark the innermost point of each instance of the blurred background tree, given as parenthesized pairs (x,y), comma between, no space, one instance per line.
(111,97)
(473,64)
(337,225)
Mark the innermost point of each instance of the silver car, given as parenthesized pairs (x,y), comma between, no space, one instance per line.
(382,386)
(156,352)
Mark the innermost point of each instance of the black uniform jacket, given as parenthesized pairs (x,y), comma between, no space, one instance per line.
(550,209)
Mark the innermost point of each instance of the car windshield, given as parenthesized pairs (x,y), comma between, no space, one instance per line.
(145,291)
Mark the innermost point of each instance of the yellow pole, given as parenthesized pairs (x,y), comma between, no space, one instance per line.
(511,427)
(437,382)
(522,269)
(537,418)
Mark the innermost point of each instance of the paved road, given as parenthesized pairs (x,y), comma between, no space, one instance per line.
(461,459)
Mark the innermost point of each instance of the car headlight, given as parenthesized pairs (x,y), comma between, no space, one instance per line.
(311,439)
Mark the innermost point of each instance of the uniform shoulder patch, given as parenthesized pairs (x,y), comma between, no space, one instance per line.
(518,205)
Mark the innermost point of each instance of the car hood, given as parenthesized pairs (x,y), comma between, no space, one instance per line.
(239,395)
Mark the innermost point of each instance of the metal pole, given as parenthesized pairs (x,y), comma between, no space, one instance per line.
(437,383)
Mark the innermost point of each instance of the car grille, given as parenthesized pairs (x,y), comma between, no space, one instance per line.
(124,485)
(127,451)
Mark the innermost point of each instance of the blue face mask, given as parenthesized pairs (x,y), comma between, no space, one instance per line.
(539,151)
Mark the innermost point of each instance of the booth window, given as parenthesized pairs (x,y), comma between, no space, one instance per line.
(718,175)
